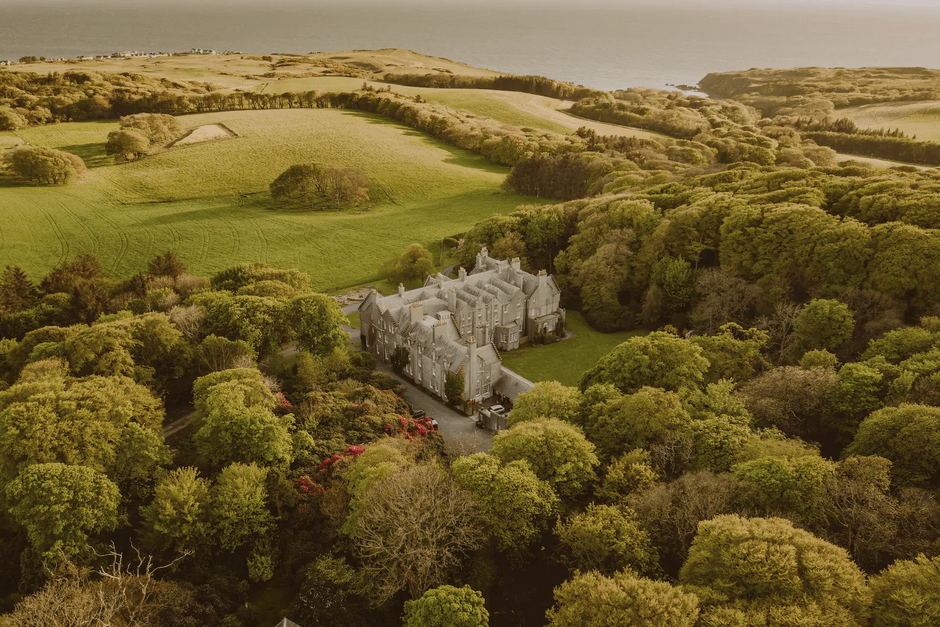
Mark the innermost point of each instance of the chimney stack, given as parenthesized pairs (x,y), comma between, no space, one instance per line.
(401,289)
(462,273)
(417,312)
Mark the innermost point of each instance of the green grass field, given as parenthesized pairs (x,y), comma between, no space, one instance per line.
(565,361)
(508,107)
(920,119)
(209,201)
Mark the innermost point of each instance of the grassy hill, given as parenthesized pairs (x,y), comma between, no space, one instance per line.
(209,201)
(508,107)
(920,119)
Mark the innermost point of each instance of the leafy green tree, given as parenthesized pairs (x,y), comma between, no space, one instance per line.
(447,606)
(593,600)
(101,349)
(321,182)
(626,476)
(10,120)
(657,360)
(734,354)
(766,562)
(823,324)
(909,436)
(415,264)
(61,505)
(261,322)
(636,420)
(901,344)
(717,443)
(606,539)
(157,128)
(907,594)
(795,486)
(557,452)
(237,510)
(216,353)
(78,421)
(547,399)
(859,391)
(140,457)
(673,282)
(234,278)
(453,387)
(45,166)
(235,428)
(176,519)
(126,145)
(515,506)
(317,322)
(294,183)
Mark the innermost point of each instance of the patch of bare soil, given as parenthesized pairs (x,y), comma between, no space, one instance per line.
(207,133)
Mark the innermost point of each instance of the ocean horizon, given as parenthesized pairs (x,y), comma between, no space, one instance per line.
(597,46)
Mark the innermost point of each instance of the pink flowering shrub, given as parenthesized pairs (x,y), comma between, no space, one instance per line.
(314,486)
(413,429)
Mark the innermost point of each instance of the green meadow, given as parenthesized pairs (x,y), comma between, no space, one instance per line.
(508,107)
(567,360)
(920,119)
(209,201)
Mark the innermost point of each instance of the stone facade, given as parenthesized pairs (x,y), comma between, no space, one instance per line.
(460,325)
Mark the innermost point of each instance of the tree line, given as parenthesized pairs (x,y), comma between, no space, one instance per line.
(538,85)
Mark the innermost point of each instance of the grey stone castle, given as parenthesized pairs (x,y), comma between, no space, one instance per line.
(460,325)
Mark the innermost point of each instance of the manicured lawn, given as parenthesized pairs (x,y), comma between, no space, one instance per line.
(567,360)
(354,319)
(209,202)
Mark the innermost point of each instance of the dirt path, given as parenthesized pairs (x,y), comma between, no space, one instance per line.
(178,425)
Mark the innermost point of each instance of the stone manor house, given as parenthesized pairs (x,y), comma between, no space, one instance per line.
(460,325)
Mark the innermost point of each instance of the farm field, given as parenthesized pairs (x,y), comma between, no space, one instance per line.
(567,360)
(508,107)
(913,118)
(209,201)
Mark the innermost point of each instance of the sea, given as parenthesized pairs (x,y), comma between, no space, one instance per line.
(605,45)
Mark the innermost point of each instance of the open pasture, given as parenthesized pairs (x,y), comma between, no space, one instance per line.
(508,107)
(209,201)
(920,119)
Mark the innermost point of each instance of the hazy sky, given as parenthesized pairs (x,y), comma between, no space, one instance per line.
(847,4)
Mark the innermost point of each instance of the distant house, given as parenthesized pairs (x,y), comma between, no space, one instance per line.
(6,62)
(460,325)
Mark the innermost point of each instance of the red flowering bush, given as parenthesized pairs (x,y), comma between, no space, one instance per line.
(414,429)
(313,486)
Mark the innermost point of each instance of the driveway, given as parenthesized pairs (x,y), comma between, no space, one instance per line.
(461,434)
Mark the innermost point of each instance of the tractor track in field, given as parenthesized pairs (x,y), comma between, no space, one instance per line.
(96,241)
(64,243)
(125,241)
